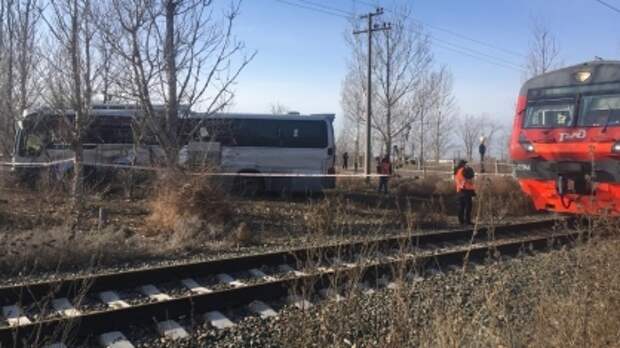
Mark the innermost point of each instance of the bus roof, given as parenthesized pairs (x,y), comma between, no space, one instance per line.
(120,110)
(602,71)
(290,116)
(126,110)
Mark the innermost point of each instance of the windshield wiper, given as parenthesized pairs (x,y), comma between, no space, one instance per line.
(604,130)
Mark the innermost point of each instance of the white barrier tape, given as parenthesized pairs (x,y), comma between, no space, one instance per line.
(145,168)
(37,164)
(295,175)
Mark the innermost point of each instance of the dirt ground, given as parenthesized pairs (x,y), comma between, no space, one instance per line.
(163,218)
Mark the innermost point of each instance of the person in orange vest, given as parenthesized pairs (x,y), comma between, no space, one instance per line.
(384,168)
(463,179)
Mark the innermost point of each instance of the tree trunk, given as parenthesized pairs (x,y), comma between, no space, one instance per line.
(9,109)
(388,143)
(171,74)
(78,107)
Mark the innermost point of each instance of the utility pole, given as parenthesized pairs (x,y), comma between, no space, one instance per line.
(388,98)
(371,28)
(421,159)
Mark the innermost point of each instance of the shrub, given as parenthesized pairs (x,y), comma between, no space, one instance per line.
(423,187)
(177,197)
(327,217)
(501,197)
(431,214)
(243,235)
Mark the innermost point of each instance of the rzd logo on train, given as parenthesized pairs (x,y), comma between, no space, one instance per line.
(577,135)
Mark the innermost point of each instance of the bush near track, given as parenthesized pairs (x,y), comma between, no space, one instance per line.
(149,217)
(177,198)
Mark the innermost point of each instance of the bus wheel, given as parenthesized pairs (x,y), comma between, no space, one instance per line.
(249,186)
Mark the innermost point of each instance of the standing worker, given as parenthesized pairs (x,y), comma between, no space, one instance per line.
(482,149)
(384,168)
(345,160)
(463,178)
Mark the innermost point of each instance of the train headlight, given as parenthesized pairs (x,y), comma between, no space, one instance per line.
(527,146)
(616,147)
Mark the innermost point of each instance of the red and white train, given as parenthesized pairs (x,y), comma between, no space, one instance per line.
(566,139)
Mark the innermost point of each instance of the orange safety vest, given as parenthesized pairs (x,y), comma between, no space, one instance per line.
(461,182)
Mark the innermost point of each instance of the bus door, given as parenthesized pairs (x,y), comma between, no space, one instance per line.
(203,150)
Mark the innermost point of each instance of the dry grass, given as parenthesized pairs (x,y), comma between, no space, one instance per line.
(345,184)
(54,248)
(185,215)
(177,198)
(181,214)
(424,187)
(328,216)
(500,198)
(428,214)
(566,298)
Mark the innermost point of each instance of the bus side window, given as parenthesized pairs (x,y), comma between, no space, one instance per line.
(204,134)
(34,144)
(304,134)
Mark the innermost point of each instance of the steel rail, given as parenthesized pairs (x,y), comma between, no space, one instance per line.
(33,292)
(102,321)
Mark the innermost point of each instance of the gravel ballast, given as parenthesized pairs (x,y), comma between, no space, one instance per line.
(489,304)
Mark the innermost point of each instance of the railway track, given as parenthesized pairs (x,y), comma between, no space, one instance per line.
(100,307)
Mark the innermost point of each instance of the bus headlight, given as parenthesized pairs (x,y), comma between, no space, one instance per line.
(527,146)
(615,148)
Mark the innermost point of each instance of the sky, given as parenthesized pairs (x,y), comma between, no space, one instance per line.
(302,54)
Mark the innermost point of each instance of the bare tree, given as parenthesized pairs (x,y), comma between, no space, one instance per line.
(71,30)
(471,128)
(402,58)
(502,141)
(279,109)
(423,103)
(8,37)
(19,86)
(354,108)
(544,51)
(28,85)
(441,118)
(180,56)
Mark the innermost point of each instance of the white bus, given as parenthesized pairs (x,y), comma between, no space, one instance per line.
(255,146)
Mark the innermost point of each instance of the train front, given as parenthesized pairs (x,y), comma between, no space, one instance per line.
(566,139)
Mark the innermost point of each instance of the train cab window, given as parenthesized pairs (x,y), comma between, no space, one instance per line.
(600,110)
(549,116)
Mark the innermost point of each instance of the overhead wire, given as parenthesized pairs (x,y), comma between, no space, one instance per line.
(608,5)
(453,33)
(470,52)
(328,7)
(314,8)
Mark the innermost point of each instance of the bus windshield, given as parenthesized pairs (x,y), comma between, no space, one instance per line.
(600,110)
(42,132)
(550,116)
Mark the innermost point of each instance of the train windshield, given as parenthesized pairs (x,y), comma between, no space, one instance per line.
(600,110)
(550,116)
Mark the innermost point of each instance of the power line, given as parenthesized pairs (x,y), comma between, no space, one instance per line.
(608,5)
(471,52)
(315,8)
(330,8)
(451,32)
(447,45)
(489,61)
